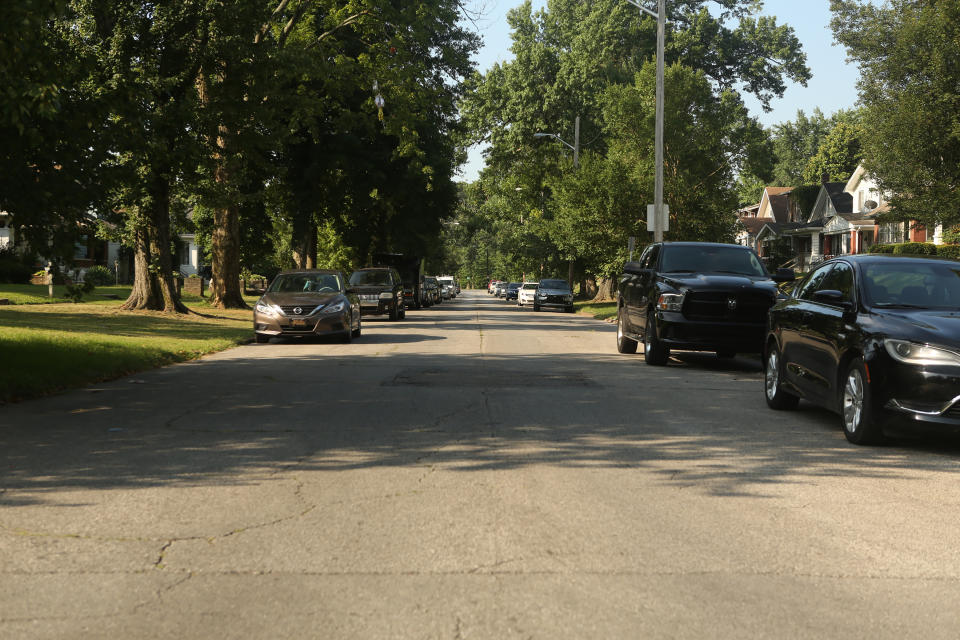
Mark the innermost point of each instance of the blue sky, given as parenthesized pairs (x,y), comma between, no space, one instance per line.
(832,87)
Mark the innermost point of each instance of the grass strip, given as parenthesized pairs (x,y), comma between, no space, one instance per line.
(52,347)
(599,310)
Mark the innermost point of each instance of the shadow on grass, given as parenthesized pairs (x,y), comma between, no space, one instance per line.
(120,324)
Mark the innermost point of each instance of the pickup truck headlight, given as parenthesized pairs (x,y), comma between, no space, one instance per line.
(920,354)
(386,295)
(670,302)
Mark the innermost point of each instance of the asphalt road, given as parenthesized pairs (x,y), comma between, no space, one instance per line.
(476,471)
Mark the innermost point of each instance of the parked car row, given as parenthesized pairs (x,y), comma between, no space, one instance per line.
(872,337)
(547,293)
(317,302)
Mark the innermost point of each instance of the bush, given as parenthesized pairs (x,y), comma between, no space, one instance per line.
(882,248)
(14,268)
(99,276)
(76,291)
(949,251)
(952,235)
(916,248)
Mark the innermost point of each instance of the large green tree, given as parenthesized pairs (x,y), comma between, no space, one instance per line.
(907,52)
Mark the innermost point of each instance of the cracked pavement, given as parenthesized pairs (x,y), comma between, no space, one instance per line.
(476,471)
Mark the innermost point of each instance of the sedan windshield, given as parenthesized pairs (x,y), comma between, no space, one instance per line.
(554,284)
(360,278)
(913,285)
(530,285)
(309,282)
(711,259)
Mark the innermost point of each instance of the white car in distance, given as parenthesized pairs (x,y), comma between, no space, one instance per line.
(527,293)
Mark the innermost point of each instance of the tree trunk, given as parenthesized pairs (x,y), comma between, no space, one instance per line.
(153,286)
(605,289)
(305,245)
(225,267)
(589,287)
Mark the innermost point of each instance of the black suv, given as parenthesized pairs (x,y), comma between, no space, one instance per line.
(696,296)
(380,290)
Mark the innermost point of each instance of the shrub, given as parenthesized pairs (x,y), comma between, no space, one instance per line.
(76,291)
(949,251)
(952,235)
(14,268)
(99,276)
(916,248)
(882,248)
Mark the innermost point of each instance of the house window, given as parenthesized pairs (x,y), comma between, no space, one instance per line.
(81,249)
(891,232)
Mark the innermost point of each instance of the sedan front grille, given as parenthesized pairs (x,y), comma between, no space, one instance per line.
(290,310)
(729,307)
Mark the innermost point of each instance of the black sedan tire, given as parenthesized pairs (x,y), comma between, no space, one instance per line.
(857,416)
(624,344)
(356,332)
(654,352)
(536,307)
(394,313)
(776,397)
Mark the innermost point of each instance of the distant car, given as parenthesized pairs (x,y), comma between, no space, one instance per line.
(511,291)
(500,289)
(555,294)
(447,287)
(527,293)
(875,338)
(380,290)
(492,286)
(432,287)
(307,303)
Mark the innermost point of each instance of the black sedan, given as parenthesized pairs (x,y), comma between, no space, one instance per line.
(875,338)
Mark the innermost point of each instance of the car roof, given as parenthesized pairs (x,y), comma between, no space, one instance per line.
(872,258)
(689,243)
(374,269)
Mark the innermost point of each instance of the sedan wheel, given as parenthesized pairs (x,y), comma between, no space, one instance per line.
(777,398)
(356,332)
(856,412)
(624,344)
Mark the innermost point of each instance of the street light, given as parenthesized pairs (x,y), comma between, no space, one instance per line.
(661,17)
(576,141)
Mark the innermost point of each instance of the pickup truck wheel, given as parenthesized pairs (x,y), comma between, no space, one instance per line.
(777,398)
(654,352)
(394,313)
(624,344)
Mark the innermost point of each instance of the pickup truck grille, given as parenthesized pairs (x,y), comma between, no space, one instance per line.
(729,306)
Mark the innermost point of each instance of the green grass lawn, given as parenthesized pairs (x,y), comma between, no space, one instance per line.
(599,310)
(46,348)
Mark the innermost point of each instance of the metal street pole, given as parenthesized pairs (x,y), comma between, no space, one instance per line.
(576,143)
(661,16)
(658,184)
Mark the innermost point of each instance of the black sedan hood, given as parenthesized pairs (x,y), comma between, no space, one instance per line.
(718,282)
(936,327)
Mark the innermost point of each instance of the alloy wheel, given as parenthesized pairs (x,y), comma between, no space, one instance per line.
(853,401)
(772,374)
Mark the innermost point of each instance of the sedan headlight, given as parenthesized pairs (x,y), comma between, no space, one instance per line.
(920,354)
(266,309)
(335,308)
(670,302)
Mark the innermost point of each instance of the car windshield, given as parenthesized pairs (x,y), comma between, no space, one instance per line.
(554,284)
(375,277)
(310,282)
(530,285)
(711,259)
(513,285)
(910,284)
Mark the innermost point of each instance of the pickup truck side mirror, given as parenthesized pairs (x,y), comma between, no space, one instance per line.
(634,268)
(784,275)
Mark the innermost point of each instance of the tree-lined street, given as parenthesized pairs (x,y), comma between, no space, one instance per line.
(481,471)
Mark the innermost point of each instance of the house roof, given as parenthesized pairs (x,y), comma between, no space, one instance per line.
(753,225)
(780,207)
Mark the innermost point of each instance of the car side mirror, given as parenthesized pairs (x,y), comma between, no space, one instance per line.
(633,267)
(784,275)
(834,298)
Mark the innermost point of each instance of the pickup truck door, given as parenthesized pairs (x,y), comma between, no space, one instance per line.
(644,281)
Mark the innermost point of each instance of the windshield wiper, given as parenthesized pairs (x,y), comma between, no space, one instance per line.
(899,305)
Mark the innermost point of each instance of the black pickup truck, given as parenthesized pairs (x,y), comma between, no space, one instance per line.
(695,296)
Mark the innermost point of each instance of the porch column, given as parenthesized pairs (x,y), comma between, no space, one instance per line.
(814,245)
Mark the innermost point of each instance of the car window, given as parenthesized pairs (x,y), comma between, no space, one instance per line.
(306,282)
(360,278)
(530,285)
(840,279)
(554,284)
(902,283)
(807,288)
(649,258)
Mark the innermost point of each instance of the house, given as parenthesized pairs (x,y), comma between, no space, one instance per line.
(775,208)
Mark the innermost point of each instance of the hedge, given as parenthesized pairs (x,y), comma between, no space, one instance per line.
(919,249)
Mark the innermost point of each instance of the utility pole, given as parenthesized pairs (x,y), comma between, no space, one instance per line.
(661,16)
(576,143)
